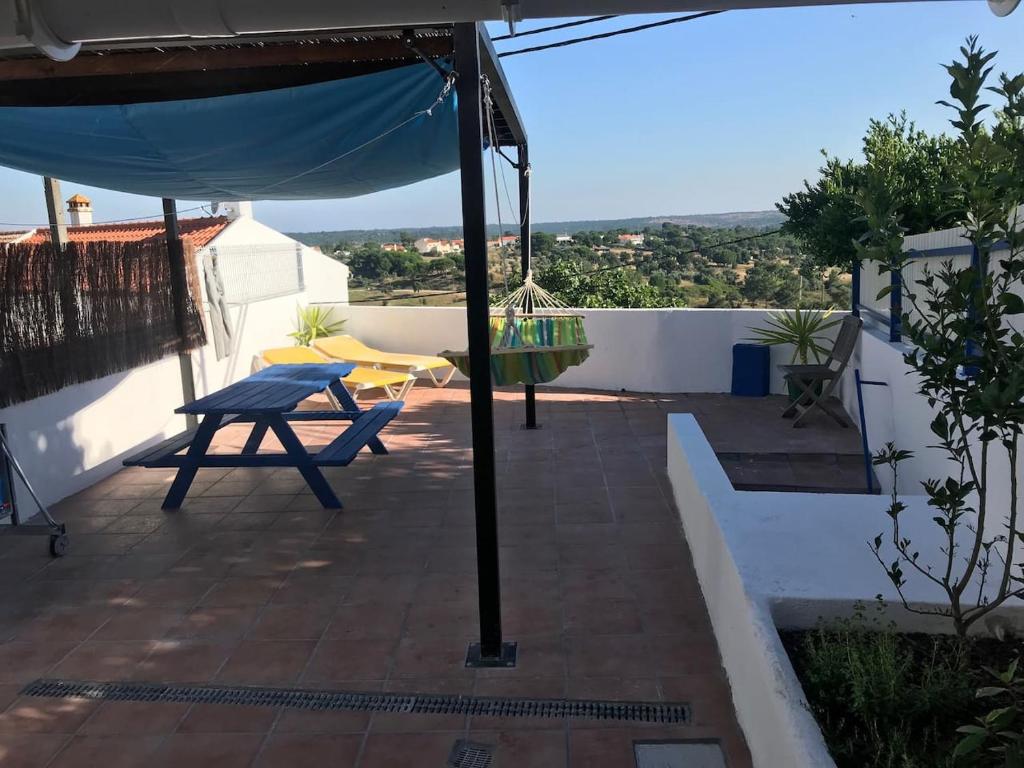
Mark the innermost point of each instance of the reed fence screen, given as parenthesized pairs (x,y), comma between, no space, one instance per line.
(87,312)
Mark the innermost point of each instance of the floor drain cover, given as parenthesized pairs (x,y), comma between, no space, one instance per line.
(360,701)
(469,754)
(678,754)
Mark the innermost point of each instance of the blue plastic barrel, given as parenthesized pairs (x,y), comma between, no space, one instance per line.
(751,370)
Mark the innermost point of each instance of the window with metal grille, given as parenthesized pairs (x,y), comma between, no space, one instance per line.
(259,271)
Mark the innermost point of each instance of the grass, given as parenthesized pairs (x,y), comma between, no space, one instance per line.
(890,700)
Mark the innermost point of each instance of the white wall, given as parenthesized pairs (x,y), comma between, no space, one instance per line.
(787,559)
(640,350)
(326,279)
(68,440)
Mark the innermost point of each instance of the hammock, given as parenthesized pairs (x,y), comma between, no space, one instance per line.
(534,339)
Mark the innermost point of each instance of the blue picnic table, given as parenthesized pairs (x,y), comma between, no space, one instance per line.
(267,400)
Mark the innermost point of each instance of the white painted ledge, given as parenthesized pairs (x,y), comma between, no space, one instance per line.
(767,560)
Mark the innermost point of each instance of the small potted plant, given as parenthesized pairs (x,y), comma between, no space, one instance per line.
(314,322)
(803,329)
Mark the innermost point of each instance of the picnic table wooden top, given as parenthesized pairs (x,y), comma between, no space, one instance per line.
(275,389)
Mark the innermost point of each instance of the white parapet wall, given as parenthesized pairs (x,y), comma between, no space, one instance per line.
(637,350)
(896,412)
(788,560)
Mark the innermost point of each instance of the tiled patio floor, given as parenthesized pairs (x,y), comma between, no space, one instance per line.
(252,583)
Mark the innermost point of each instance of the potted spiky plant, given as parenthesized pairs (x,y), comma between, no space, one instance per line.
(314,322)
(802,329)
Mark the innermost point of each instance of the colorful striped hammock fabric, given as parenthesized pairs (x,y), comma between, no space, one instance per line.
(540,350)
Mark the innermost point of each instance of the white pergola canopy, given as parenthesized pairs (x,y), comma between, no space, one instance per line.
(59,27)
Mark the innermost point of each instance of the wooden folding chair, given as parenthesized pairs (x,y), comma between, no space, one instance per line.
(809,377)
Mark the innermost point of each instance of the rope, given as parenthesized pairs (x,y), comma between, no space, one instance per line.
(604,35)
(491,132)
(553,27)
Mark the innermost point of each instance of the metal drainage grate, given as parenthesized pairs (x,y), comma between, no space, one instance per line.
(678,754)
(413,703)
(469,754)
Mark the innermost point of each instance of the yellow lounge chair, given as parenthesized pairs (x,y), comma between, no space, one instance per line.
(350,350)
(395,385)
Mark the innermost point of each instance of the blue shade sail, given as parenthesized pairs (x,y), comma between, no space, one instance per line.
(335,139)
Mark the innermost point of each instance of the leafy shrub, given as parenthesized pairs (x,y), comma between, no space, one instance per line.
(995,740)
(882,699)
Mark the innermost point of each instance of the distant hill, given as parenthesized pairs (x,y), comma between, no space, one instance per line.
(754,219)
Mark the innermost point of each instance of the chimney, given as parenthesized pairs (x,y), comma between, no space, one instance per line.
(233,209)
(80,211)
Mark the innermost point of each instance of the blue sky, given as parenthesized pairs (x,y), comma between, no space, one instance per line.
(721,114)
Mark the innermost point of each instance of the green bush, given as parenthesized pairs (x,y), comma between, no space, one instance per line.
(882,699)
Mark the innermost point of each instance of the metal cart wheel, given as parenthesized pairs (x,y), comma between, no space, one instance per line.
(59,543)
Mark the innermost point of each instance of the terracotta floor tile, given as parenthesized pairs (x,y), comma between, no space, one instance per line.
(303,621)
(346,659)
(210,623)
(29,750)
(109,751)
(601,748)
(308,721)
(101,660)
(64,624)
(183,661)
(197,750)
(227,718)
(601,616)
(431,657)
(310,751)
(536,749)
(383,620)
(32,714)
(267,662)
(137,718)
(139,623)
(393,750)
(609,656)
(24,662)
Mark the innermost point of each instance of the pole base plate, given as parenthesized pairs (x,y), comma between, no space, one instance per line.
(506,659)
(535,426)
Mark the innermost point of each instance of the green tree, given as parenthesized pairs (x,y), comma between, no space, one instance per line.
(825,216)
(772,282)
(612,288)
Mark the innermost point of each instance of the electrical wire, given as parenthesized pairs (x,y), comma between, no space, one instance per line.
(604,35)
(108,221)
(553,27)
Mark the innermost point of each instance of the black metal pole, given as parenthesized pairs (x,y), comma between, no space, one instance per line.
(526,252)
(491,651)
(179,290)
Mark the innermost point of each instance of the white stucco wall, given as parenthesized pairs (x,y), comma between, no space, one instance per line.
(786,559)
(898,413)
(68,440)
(639,350)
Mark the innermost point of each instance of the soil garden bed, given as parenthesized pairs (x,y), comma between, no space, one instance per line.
(890,700)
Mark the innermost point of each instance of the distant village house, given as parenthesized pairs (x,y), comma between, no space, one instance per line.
(432,245)
(631,239)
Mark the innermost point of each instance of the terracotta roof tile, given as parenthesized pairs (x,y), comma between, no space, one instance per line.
(199,231)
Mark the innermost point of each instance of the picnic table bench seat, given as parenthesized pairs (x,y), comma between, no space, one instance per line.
(343,449)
